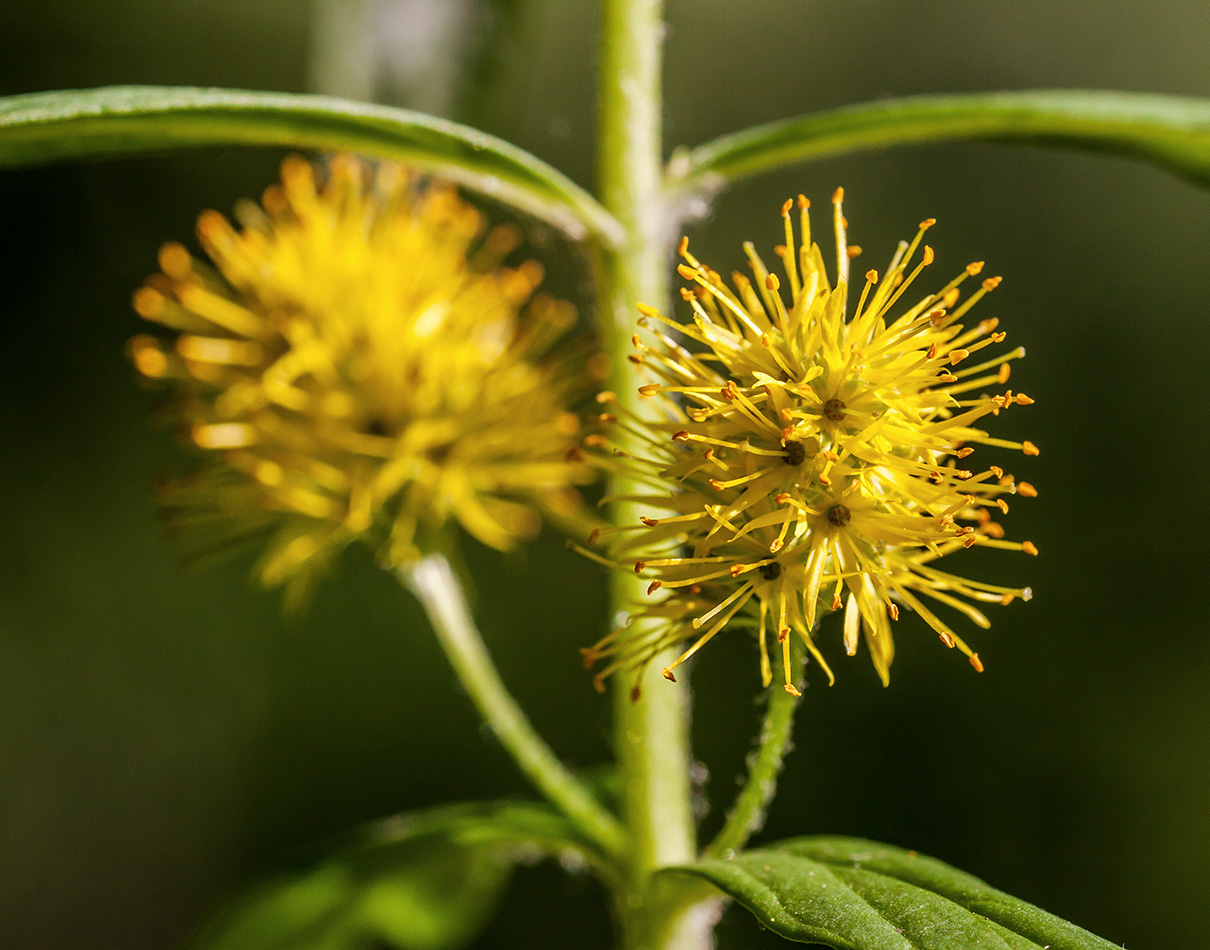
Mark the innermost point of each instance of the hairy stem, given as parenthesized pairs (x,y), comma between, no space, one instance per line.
(651,727)
(439,591)
(747,815)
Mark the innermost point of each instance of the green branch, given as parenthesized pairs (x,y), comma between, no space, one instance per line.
(747,815)
(434,584)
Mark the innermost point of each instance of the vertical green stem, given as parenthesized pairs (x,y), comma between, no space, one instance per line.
(652,731)
(439,591)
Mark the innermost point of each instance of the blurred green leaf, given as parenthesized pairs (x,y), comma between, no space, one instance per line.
(1172,132)
(425,881)
(53,126)
(852,894)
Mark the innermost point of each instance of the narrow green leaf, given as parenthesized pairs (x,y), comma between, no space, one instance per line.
(1172,132)
(425,881)
(852,894)
(53,126)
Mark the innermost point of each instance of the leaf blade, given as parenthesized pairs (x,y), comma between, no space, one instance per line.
(853,894)
(120,120)
(423,881)
(1172,132)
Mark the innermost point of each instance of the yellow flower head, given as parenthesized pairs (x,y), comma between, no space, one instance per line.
(357,364)
(804,460)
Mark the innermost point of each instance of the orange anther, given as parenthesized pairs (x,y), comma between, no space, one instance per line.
(785,208)
(974,268)
(1029,448)
(1026,489)
(927,223)
(976,663)
(1029,548)
(929,257)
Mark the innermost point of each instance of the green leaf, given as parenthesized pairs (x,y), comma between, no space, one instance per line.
(53,126)
(426,881)
(852,894)
(1172,132)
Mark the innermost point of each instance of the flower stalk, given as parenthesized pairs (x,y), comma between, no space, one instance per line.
(437,588)
(747,815)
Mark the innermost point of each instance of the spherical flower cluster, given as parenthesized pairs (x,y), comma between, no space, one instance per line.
(357,364)
(801,460)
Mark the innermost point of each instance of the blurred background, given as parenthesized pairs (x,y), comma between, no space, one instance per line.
(167,736)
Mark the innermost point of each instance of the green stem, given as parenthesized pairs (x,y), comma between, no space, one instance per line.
(441,594)
(747,814)
(651,731)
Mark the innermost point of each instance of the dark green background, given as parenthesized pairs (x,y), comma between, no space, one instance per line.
(166,736)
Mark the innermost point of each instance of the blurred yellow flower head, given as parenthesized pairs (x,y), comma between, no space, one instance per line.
(801,460)
(357,364)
